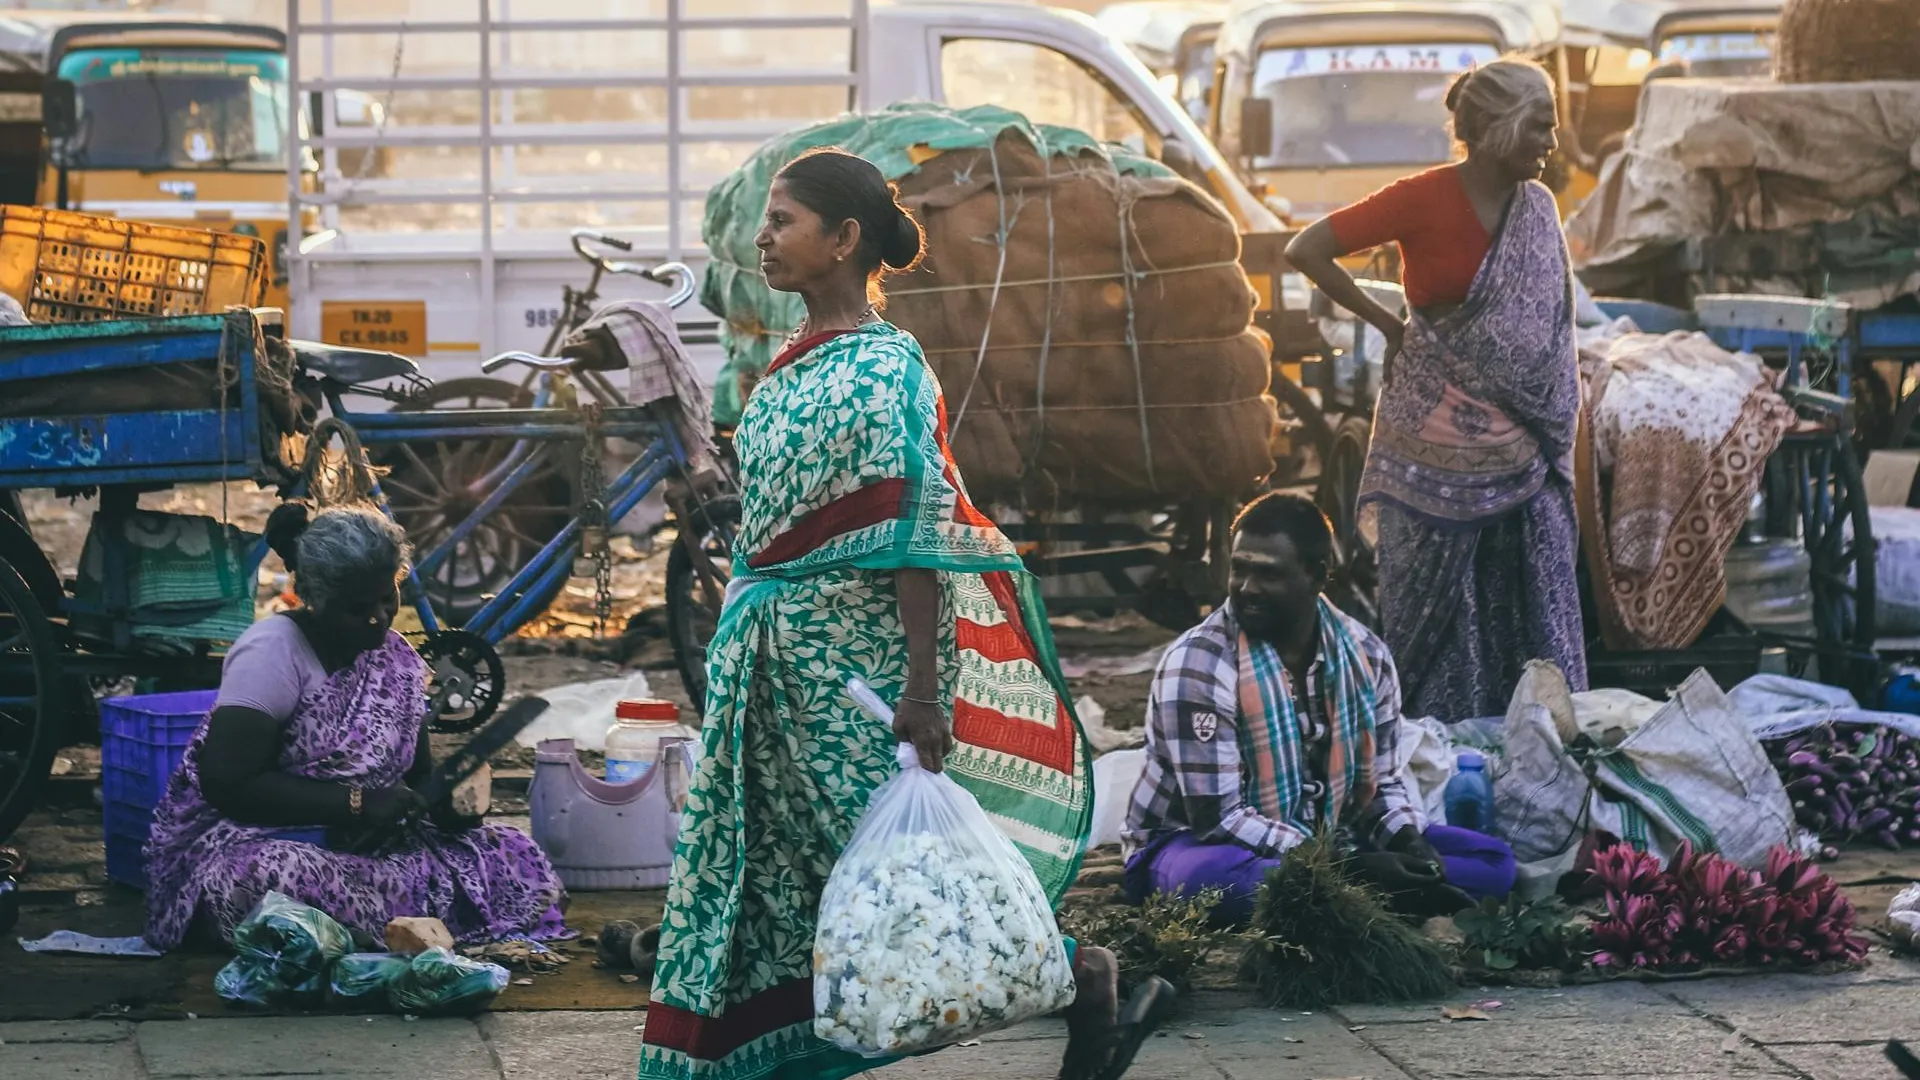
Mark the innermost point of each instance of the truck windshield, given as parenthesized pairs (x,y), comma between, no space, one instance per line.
(178,108)
(1721,56)
(1196,79)
(1360,105)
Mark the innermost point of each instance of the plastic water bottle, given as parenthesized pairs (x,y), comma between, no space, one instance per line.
(1469,796)
(633,742)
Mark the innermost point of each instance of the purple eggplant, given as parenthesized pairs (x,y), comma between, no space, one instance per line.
(1803,785)
(1886,839)
(1876,819)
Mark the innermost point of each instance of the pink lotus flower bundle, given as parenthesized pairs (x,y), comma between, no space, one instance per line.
(1703,909)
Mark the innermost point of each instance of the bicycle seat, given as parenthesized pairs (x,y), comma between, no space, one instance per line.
(350,366)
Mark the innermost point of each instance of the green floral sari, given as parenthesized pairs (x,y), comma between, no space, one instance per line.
(847,477)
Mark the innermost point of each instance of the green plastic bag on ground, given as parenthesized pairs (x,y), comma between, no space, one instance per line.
(441,983)
(365,978)
(284,951)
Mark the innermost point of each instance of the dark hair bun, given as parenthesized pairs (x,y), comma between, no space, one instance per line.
(902,249)
(283,530)
(1458,88)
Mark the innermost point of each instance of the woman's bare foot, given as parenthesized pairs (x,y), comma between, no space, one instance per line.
(1092,1019)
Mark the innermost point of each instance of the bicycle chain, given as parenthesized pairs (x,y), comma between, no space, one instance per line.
(593,520)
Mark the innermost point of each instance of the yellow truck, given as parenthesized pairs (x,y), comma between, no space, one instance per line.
(171,119)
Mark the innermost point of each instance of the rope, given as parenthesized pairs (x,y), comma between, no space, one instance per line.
(999,275)
(1132,407)
(1127,230)
(1046,331)
(1096,344)
(1050,281)
(1019,283)
(338,478)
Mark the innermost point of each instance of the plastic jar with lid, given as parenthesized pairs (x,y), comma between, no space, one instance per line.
(633,742)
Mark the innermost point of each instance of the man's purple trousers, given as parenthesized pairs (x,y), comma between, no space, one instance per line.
(1477,864)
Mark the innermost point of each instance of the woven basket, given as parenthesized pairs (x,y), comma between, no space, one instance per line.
(1849,41)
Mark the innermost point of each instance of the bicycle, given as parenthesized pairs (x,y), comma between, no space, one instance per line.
(432,485)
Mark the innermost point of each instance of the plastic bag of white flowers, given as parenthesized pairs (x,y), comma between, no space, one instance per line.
(933,928)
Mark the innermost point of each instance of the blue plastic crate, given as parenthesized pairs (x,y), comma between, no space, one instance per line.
(142,740)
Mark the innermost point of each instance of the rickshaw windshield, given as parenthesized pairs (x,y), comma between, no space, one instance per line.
(1361,105)
(1721,56)
(178,109)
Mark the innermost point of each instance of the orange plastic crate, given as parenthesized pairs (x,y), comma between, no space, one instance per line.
(65,267)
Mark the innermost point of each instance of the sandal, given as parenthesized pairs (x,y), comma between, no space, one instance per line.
(1150,1006)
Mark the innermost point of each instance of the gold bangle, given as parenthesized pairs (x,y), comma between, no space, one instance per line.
(355,801)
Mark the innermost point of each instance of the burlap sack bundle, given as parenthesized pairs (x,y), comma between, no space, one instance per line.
(1092,330)
(1848,41)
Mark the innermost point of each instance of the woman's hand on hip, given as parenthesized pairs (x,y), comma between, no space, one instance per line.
(1395,334)
(926,727)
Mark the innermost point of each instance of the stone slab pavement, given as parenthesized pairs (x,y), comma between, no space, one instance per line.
(1752,1028)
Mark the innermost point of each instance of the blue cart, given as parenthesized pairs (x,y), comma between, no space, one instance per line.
(120,408)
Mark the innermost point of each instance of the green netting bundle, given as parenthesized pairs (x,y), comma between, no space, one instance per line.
(1083,308)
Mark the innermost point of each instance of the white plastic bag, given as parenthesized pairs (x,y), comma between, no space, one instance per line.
(932,928)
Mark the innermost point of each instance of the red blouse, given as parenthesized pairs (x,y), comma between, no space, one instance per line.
(1442,242)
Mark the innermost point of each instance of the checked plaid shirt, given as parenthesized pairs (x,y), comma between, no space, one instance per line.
(1193,779)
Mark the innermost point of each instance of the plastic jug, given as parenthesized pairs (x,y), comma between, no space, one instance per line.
(1469,795)
(633,742)
(602,835)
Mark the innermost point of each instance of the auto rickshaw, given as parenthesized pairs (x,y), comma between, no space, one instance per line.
(1716,39)
(1324,101)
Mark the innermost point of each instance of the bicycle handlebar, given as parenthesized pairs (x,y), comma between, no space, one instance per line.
(663,274)
(539,363)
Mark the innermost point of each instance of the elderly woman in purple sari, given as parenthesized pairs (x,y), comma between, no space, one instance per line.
(317,731)
(1468,483)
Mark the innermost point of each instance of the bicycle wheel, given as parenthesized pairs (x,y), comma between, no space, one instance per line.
(32,719)
(433,486)
(692,616)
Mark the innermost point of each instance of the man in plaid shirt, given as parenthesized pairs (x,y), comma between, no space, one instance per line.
(1229,789)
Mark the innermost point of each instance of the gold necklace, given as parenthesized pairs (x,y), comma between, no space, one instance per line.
(867,316)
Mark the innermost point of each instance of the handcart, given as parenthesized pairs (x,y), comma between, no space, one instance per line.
(57,637)
(1813,492)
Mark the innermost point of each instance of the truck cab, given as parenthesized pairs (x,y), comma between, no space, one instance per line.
(152,118)
(1055,67)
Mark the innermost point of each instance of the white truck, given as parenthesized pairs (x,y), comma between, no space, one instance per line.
(460,249)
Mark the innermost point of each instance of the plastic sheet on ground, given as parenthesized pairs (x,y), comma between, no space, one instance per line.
(583,711)
(1776,706)
(72,941)
(1114,778)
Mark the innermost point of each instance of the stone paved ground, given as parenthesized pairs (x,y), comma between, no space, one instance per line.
(1813,1028)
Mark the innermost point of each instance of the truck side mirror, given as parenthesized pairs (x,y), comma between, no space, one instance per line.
(60,109)
(1256,127)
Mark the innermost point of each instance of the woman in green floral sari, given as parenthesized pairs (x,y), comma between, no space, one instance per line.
(859,554)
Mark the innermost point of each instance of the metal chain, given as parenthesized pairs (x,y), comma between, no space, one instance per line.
(593,520)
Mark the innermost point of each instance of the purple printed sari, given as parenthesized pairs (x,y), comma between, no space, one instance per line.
(1469,480)
(359,727)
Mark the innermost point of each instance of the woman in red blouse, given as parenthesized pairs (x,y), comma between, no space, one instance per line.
(1469,476)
